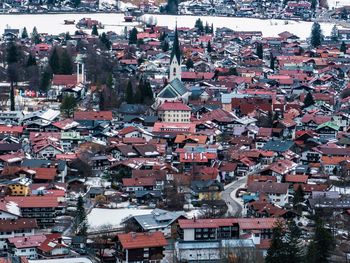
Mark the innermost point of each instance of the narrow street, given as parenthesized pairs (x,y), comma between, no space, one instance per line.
(229,196)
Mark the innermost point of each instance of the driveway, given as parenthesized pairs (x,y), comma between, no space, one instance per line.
(229,196)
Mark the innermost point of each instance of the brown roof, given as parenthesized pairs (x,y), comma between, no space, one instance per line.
(138,181)
(17,224)
(93,115)
(142,240)
(244,223)
(181,138)
(68,80)
(268,187)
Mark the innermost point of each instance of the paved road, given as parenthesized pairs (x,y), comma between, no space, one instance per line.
(228,195)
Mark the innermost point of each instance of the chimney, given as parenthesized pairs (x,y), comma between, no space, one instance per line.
(59,240)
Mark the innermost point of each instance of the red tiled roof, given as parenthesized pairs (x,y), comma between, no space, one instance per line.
(93,115)
(201,139)
(174,106)
(28,241)
(127,130)
(142,240)
(34,201)
(51,243)
(45,173)
(11,129)
(296,178)
(139,181)
(197,75)
(67,80)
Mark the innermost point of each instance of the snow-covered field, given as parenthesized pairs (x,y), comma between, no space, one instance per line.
(99,217)
(54,23)
(337,3)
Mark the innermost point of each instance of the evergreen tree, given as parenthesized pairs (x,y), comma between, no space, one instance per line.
(260,50)
(298,199)
(209,48)
(67,36)
(272,62)
(66,63)
(189,63)
(148,92)
(199,25)
(76,3)
(80,220)
(276,252)
(207,28)
(294,245)
(314,4)
(129,94)
(321,245)
(309,100)
(233,71)
(285,244)
(344,14)
(172,7)
(35,36)
(105,40)
(343,47)
(165,45)
(316,35)
(162,37)
(68,106)
(31,61)
(24,33)
(212,29)
(94,30)
(45,80)
(334,33)
(54,61)
(109,81)
(12,59)
(133,36)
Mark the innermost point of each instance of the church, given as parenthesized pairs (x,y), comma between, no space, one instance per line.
(175,90)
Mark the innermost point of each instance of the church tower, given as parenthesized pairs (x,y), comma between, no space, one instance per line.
(175,59)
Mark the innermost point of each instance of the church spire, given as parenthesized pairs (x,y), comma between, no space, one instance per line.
(176,48)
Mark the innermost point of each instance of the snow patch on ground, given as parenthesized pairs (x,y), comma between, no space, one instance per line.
(54,23)
(99,217)
(332,4)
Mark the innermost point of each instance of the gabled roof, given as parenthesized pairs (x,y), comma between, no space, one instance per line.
(18,224)
(93,115)
(328,124)
(158,219)
(174,89)
(268,187)
(174,106)
(142,240)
